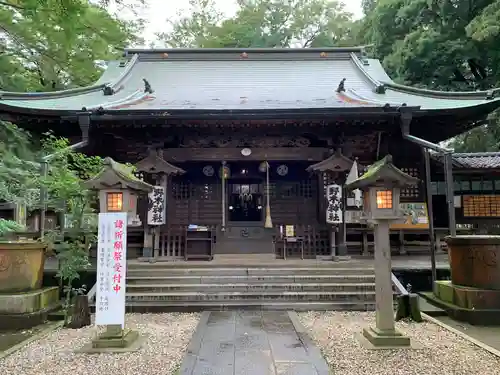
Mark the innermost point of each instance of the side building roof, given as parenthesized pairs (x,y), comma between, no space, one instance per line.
(473,160)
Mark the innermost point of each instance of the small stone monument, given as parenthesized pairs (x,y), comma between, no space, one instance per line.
(381,185)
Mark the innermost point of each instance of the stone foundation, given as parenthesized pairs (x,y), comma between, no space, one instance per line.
(472,305)
(26,310)
(389,339)
(114,340)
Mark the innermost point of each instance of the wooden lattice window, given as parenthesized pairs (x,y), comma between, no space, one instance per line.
(481,205)
(412,192)
(207,192)
(272,190)
(181,190)
(288,190)
(306,189)
(114,202)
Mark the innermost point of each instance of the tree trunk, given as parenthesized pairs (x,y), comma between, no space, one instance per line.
(80,314)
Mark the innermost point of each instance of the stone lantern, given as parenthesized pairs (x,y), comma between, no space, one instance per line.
(159,172)
(118,190)
(381,185)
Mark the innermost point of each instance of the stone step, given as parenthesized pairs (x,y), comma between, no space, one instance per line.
(245,258)
(156,271)
(250,295)
(325,278)
(250,287)
(233,262)
(193,306)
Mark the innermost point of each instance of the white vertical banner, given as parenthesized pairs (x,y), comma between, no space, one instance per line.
(156,206)
(334,204)
(357,198)
(111,269)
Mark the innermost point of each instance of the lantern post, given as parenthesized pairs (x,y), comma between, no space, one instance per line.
(381,185)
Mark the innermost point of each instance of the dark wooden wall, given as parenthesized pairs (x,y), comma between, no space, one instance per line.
(197,199)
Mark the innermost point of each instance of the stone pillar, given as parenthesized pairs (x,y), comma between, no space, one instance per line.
(384,334)
(383,282)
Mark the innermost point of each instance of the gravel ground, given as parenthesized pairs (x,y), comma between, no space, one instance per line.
(443,352)
(165,339)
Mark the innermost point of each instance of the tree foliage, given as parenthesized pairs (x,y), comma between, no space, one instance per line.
(262,23)
(19,169)
(55,44)
(444,45)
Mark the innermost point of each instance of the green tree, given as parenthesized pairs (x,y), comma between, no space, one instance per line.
(263,23)
(56,44)
(368,6)
(64,185)
(444,45)
(19,173)
(18,166)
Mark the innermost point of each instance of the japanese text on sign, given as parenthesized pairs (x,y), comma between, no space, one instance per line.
(334,204)
(156,206)
(111,268)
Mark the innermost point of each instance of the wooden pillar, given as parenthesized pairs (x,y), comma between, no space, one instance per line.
(333,245)
(223,198)
(342,237)
(364,243)
(147,246)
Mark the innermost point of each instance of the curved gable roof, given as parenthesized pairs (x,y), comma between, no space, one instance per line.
(243,79)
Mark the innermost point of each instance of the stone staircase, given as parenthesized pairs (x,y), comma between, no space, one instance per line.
(181,286)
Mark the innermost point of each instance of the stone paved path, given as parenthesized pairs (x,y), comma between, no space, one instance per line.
(252,343)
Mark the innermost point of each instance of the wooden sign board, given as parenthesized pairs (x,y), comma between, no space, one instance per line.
(415,216)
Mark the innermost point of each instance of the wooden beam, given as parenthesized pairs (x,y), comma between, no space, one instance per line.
(234,154)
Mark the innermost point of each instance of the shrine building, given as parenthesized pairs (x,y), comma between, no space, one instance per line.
(245,142)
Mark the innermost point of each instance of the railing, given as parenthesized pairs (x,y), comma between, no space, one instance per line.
(399,287)
(91,293)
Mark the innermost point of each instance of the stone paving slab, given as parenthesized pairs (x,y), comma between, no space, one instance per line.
(251,343)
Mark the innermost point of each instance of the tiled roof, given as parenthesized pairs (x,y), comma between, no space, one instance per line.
(244,79)
(473,160)
(481,160)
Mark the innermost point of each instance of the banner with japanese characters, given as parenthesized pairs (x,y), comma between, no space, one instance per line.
(334,204)
(156,206)
(111,269)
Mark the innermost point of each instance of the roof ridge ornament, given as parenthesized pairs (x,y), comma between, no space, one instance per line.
(364,58)
(492,94)
(379,89)
(108,90)
(341,87)
(147,86)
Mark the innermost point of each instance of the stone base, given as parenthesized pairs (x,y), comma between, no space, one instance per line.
(386,339)
(265,257)
(113,341)
(467,297)
(341,258)
(471,305)
(26,310)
